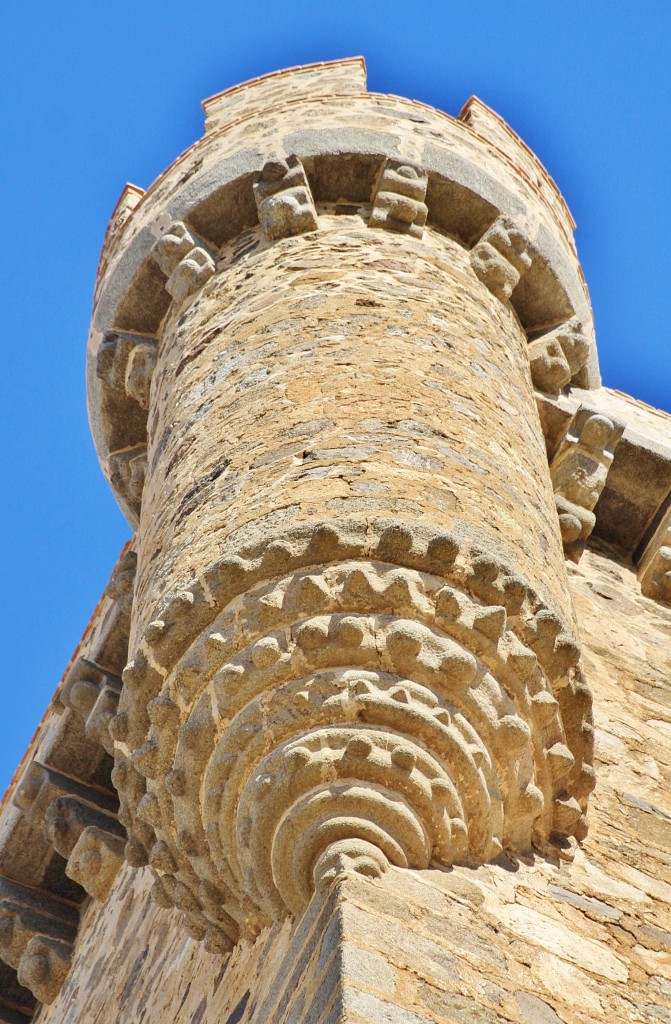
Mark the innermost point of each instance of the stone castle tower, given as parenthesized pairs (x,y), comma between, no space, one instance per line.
(326,752)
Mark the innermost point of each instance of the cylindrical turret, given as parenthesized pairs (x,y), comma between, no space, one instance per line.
(313,359)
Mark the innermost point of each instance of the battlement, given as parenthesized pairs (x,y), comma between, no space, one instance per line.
(273,91)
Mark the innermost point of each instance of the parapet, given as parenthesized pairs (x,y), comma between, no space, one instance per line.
(273,91)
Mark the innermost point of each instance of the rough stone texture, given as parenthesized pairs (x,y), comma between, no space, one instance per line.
(329,396)
(59,834)
(469,178)
(532,942)
(654,567)
(354,740)
(579,471)
(298,418)
(635,496)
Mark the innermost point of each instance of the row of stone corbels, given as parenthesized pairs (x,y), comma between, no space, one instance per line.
(36,936)
(78,822)
(92,685)
(73,809)
(286,208)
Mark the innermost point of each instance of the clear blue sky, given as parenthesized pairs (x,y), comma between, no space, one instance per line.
(96,94)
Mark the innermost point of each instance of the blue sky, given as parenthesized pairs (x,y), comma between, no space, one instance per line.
(96,94)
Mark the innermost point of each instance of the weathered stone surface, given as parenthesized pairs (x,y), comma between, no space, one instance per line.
(284,200)
(579,471)
(501,257)
(95,859)
(460,644)
(654,567)
(347,148)
(398,203)
(354,739)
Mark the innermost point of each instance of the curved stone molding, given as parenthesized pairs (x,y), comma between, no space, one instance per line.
(357,710)
(456,183)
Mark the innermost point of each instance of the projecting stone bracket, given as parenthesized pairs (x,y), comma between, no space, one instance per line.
(126,363)
(556,357)
(186,264)
(95,860)
(69,811)
(284,200)
(128,469)
(654,566)
(41,785)
(398,203)
(44,967)
(579,470)
(36,936)
(501,257)
(94,695)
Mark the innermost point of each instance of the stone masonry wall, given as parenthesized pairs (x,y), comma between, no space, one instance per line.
(324,392)
(541,942)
